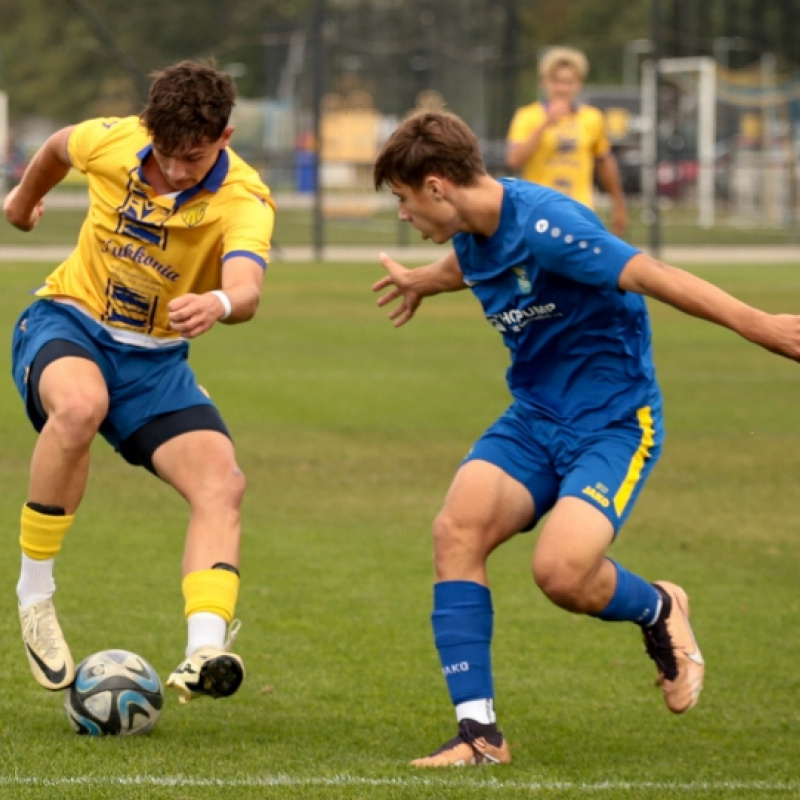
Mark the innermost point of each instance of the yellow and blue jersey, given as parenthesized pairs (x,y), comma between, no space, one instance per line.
(567,151)
(138,250)
(548,282)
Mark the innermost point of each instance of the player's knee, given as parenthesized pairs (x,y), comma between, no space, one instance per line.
(229,488)
(454,545)
(75,419)
(238,486)
(447,534)
(560,583)
(221,487)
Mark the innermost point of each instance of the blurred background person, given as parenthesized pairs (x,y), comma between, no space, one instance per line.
(560,142)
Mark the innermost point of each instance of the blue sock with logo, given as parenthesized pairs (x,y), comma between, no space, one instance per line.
(462,622)
(634,600)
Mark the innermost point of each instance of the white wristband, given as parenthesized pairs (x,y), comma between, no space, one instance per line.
(226,302)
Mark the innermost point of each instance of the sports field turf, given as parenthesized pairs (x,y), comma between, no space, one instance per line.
(349,432)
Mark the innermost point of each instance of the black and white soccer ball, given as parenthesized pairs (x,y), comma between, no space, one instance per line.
(115,693)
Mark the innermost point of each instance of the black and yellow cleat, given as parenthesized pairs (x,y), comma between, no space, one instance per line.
(209,672)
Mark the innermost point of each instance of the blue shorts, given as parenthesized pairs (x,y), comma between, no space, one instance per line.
(143,384)
(606,468)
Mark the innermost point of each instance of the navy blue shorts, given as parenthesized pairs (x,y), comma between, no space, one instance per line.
(143,384)
(606,468)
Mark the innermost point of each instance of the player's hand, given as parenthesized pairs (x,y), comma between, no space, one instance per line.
(619,220)
(399,279)
(557,108)
(24,220)
(193,314)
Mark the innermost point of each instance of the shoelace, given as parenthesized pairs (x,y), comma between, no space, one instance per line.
(43,631)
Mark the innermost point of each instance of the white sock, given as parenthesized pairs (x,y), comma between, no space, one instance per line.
(36,581)
(480,710)
(205,630)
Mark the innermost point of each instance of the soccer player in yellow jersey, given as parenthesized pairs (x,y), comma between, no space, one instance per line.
(176,240)
(560,143)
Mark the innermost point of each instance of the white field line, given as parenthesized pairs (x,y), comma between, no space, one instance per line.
(265,781)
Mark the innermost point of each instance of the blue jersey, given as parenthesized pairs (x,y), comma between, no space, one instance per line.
(547,280)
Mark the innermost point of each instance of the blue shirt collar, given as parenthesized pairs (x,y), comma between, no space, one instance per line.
(212,181)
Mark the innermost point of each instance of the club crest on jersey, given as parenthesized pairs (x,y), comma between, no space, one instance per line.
(194,214)
(142,219)
(523,281)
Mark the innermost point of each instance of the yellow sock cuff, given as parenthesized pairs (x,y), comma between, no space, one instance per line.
(212,590)
(42,534)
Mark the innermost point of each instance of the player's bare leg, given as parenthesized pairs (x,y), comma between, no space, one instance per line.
(571,568)
(484,508)
(201,465)
(569,563)
(74,396)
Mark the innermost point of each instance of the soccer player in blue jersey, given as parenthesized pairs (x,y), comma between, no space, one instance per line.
(585,426)
(176,240)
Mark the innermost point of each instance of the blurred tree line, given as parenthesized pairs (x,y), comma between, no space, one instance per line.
(69,59)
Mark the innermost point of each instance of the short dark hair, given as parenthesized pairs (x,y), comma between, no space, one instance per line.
(429,143)
(190,103)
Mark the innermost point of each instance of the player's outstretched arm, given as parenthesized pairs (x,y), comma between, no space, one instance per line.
(779,333)
(24,204)
(236,301)
(412,285)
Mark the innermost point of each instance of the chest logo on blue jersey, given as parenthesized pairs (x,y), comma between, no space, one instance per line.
(193,215)
(515,320)
(523,281)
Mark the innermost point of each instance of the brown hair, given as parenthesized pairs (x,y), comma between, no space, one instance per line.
(190,104)
(429,143)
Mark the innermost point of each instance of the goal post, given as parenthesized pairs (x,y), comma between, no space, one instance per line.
(704,70)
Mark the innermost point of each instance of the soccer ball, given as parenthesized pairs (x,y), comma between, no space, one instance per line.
(115,693)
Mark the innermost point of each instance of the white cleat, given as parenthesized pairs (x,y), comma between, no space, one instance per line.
(209,671)
(48,653)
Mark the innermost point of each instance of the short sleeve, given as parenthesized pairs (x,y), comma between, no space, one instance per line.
(86,137)
(571,242)
(602,146)
(523,122)
(248,232)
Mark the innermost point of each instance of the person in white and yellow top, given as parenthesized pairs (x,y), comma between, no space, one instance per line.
(560,142)
(176,240)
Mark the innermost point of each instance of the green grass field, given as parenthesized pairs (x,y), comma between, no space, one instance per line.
(349,432)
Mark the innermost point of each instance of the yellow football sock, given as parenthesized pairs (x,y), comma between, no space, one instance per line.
(42,534)
(211,590)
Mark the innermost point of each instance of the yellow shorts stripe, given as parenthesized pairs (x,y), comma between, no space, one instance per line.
(623,496)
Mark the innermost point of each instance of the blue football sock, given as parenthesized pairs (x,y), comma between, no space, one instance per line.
(634,600)
(462,630)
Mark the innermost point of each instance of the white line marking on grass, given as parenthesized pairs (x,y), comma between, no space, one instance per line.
(457,781)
